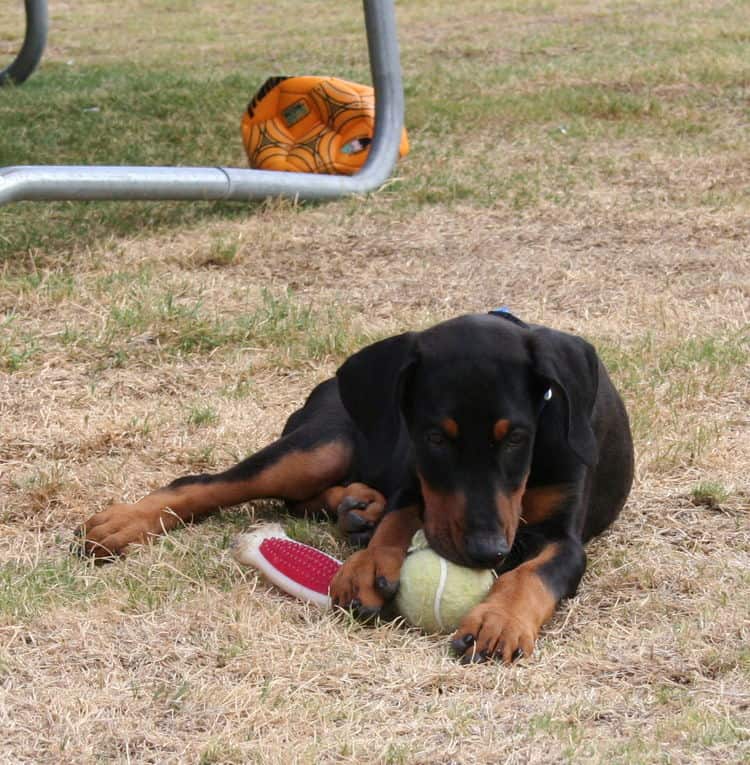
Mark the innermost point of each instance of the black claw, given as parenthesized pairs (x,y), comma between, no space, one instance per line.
(360,612)
(366,613)
(460,644)
(387,589)
(358,523)
(517,654)
(475,657)
(351,503)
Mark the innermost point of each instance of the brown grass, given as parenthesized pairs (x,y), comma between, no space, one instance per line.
(177,655)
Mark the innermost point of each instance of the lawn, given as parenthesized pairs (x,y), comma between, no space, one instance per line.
(584,163)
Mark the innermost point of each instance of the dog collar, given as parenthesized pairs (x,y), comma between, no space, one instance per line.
(504,313)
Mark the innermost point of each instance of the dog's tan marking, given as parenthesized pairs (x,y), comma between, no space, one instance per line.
(450,427)
(500,430)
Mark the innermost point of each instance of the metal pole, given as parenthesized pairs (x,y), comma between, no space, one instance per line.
(62,182)
(33,44)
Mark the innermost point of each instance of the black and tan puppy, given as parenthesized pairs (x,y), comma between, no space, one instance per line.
(507,443)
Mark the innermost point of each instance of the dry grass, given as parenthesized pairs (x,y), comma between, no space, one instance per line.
(128,360)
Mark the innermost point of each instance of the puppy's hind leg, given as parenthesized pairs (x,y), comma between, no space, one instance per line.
(298,466)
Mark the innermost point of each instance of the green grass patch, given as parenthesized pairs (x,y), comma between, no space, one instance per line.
(168,572)
(53,286)
(28,591)
(223,252)
(143,321)
(709,493)
(15,345)
(202,415)
(663,383)
(299,330)
(121,112)
(691,366)
(222,753)
(518,112)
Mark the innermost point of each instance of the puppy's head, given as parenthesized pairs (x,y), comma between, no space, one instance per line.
(470,393)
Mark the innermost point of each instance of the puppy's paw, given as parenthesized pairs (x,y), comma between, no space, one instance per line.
(490,631)
(359,512)
(367,580)
(110,533)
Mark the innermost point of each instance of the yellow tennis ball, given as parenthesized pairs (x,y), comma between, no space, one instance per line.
(435,594)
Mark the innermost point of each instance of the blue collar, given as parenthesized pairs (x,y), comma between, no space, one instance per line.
(504,313)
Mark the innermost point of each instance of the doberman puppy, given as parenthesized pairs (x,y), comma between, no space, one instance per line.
(506,443)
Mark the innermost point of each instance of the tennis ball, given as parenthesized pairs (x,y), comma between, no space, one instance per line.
(435,594)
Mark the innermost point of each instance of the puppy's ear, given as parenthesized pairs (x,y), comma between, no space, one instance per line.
(371,385)
(570,365)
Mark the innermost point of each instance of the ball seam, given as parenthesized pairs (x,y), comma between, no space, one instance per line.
(439,592)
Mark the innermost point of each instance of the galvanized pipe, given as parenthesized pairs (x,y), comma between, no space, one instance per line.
(71,182)
(33,44)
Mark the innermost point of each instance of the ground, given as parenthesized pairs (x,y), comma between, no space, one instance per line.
(584,164)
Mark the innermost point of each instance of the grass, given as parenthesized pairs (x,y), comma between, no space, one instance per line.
(136,317)
(554,84)
(27,591)
(584,164)
(710,493)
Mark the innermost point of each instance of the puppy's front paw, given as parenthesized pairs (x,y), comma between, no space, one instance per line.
(359,512)
(367,580)
(490,631)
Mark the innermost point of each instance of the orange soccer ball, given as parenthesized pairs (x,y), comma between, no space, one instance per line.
(311,125)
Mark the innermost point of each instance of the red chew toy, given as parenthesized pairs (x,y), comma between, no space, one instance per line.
(296,568)
(305,565)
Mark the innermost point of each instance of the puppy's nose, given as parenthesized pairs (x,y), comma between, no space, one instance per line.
(486,550)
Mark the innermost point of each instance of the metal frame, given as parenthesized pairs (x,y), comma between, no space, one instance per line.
(96,182)
(33,45)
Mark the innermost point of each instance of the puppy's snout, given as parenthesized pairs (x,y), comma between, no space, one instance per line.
(486,550)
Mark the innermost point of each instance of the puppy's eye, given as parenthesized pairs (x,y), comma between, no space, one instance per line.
(515,440)
(435,437)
